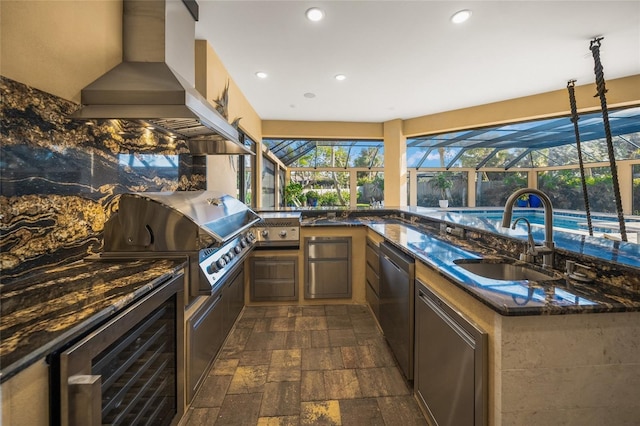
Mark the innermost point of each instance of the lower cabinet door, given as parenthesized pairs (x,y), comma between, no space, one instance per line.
(274,278)
(328,279)
(204,336)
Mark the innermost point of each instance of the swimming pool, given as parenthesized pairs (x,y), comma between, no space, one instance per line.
(565,220)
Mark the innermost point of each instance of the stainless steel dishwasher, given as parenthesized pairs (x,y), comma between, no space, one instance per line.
(396,304)
(450,368)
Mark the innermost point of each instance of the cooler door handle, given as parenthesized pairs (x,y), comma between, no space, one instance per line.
(85,400)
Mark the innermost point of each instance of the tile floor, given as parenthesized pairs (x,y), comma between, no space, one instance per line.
(305,365)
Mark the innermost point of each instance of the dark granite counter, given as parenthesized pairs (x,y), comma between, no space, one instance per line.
(557,296)
(407,229)
(43,312)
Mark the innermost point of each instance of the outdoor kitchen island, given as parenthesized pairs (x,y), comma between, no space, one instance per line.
(559,352)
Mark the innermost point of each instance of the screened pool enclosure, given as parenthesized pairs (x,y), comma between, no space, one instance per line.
(483,166)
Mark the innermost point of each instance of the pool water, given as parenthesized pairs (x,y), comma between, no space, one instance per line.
(572,221)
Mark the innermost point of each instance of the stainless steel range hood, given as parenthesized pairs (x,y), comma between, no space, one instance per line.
(155,82)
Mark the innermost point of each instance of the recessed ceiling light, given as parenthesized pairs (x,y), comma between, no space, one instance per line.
(460,16)
(261,74)
(340,77)
(314,14)
(309,95)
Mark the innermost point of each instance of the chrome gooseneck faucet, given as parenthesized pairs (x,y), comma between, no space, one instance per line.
(548,247)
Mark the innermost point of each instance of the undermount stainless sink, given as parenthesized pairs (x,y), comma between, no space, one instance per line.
(505,270)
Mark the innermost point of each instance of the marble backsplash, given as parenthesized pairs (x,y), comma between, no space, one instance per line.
(60,179)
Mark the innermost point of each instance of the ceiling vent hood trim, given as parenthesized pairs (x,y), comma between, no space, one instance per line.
(157,95)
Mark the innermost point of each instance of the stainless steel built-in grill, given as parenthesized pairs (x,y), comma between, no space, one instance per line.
(210,228)
(278,229)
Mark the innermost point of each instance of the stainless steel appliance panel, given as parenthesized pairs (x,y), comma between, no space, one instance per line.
(128,371)
(450,375)
(327,267)
(372,256)
(396,304)
(328,248)
(373,279)
(274,278)
(328,279)
(233,296)
(204,336)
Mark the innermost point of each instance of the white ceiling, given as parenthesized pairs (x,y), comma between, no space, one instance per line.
(405,59)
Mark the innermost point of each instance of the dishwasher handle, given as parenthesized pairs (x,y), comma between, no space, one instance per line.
(388,259)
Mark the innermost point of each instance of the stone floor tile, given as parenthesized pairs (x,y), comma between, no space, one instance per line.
(277,311)
(245,322)
(339,321)
(283,374)
(321,413)
(312,386)
(280,399)
(259,357)
(249,379)
(320,339)
(298,339)
(224,367)
(286,358)
(311,323)
(359,311)
(358,357)
(284,366)
(295,311)
(201,416)
(342,338)
(240,409)
(364,324)
(369,337)
(313,311)
(254,311)
(401,410)
(384,381)
(262,324)
(361,412)
(283,324)
(237,339)
(268,340)
(336,310)
(212,392)
(381,354)
(322,359)
(342,384)
(279,421)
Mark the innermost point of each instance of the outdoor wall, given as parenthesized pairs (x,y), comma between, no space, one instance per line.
(620,92)
(59,46)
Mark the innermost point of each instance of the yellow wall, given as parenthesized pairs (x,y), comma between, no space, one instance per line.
(322,129)
(211,78)
(621,92)
(59,46)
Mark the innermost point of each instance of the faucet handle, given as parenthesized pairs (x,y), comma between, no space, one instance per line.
(573,271)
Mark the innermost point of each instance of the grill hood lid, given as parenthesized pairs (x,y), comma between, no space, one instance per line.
(155,82)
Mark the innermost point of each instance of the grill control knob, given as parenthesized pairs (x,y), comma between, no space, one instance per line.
(221,262)
(230,255)
(212,268)
(283,234)
(250,237)
(244,242)
(265,233)
(237,249)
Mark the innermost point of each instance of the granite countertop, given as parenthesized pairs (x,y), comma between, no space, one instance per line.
(557,296)
(43,312)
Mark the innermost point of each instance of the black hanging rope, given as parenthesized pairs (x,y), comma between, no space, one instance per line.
(600,84)
(574,120)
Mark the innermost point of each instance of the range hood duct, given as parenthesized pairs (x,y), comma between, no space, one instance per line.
(155,82)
